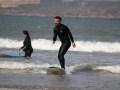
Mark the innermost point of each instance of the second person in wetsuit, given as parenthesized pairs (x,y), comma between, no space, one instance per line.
(65,37)
(27,47)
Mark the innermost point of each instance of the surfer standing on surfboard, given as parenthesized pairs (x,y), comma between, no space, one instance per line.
(27,47)
(65,37)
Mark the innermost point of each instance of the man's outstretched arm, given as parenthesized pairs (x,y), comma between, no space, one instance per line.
(54,36)
(72,39)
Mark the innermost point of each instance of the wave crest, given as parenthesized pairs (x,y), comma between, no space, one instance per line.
(83,46)
(41,68)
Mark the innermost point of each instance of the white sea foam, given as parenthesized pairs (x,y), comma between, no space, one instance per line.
(69,69)
(5,65)
(20,66)
(113,69)
(36,68)
(8,43)
(85,46)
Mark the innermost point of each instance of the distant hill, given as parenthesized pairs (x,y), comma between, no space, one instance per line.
(78,8)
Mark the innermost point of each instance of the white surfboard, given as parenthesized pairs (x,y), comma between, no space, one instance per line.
(56,71)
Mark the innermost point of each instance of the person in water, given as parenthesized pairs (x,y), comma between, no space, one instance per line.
(27,47)
(63,32)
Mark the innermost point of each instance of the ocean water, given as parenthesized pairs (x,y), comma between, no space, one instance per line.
(93,65)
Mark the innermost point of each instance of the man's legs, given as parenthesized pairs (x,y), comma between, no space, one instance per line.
(62,51)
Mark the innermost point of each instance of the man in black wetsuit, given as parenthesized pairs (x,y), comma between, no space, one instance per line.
(65,37)
(27,47)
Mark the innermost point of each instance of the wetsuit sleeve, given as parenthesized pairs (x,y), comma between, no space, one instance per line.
(70,35)
(23,44)
(54,35)
(26,43)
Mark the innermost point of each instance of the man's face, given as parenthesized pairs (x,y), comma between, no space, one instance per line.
(57,21)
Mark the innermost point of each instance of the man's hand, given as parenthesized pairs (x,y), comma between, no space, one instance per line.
(53,42)
(73,44)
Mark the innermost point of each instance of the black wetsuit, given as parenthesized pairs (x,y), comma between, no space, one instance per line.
(65,37)
(27,47)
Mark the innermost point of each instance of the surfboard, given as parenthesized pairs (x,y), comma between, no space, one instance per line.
(55,70)
(10,56)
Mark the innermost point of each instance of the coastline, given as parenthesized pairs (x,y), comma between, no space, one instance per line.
(38,15)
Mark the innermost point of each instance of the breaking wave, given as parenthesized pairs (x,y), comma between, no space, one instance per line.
(83,46)
(41,68)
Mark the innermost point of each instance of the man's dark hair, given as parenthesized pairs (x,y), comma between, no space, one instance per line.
(58,17)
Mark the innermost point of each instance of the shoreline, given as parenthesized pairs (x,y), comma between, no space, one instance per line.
(44,16)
